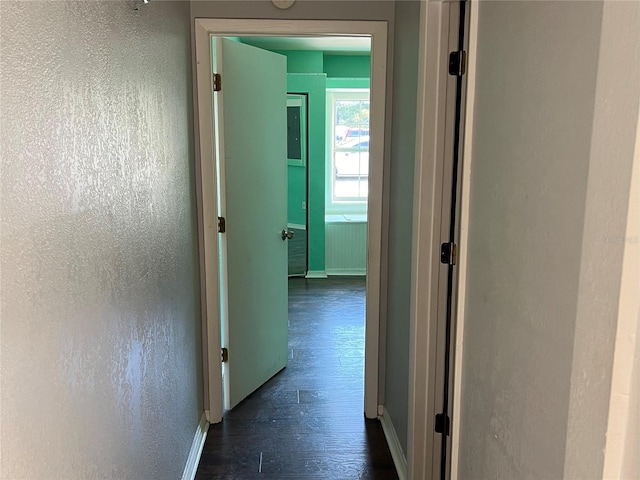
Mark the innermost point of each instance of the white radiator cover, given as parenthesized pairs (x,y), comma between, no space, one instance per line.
(346,248)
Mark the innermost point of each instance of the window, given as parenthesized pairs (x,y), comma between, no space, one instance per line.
(349,145)
(296,129)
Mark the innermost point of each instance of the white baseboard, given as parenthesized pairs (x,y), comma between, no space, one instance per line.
(399,458)
(191,467)
(316,274)
(347,272)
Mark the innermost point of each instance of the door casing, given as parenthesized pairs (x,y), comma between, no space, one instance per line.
(439,22)
(207,185)
(301,99)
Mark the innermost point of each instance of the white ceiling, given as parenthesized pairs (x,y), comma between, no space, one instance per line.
(338,45)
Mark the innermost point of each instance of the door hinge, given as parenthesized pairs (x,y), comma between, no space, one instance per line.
(448,253)
(457,63)
(217,82)
(222,225)
(442,423)
(224,354)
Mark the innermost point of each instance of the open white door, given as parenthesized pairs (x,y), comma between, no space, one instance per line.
(251,121)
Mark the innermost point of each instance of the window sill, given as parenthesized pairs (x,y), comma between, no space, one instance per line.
(346,218)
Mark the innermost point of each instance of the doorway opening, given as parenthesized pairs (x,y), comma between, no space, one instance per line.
(217,286)
(306,421)
(251,166)
(327,157)
(298,182)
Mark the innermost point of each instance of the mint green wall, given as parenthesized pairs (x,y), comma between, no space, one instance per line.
(348,82)
(306,75)
(297,193)
(302,61)
(349,66)
(315,85)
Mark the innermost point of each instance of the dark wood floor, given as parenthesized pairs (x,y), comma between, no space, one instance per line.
(307,422)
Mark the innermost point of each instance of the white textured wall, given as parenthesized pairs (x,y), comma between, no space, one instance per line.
(553,143)
(615,119)
(100,346)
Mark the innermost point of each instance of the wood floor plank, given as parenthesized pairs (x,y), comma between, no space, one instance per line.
(307,422)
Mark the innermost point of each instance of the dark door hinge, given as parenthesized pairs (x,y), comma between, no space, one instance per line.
(224,354)
(458,63)
(448,253)
(442,423)
(217,82)
(222,225)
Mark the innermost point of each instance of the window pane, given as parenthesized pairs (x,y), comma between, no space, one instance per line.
(350,152)
(351,188)
(349,164)
(294,143)
(351,121)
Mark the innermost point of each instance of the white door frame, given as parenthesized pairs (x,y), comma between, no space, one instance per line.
(432,195)
(207,186)
(464,233)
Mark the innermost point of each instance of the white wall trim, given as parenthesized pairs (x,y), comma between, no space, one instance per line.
(193,460)
(316,274)
(207,205)
(399,460)
(349,272)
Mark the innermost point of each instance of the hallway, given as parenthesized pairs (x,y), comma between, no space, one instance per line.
(307,422)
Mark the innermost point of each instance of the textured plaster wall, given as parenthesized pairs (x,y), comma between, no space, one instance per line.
(616,104)
(530,159)
(552,151)
(407,27)
(100,345)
